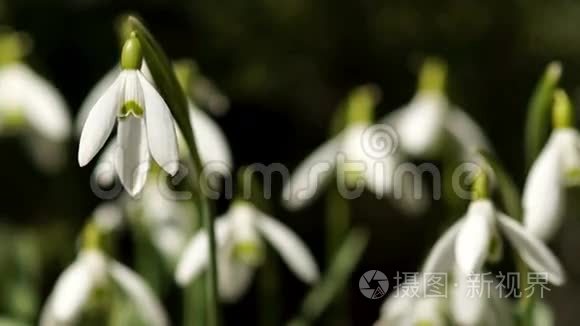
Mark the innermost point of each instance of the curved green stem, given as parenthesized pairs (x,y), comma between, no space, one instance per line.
(169,88)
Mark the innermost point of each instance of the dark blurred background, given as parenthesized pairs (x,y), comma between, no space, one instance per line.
(285,65)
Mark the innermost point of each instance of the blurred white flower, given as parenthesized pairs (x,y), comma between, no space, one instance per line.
(424,124)
(90,272)
(108,217)
(544,199)
(347,157)
(429,120)
(30,105)
(407,310)
(469,241)
(168,221)
(28,99)
(239,235)
(145,126)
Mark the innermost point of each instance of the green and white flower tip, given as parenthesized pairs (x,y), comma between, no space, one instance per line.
(239,236)
(544,196)
(28,103)
(362,154)
(145,125)
(424,123)
(93,274)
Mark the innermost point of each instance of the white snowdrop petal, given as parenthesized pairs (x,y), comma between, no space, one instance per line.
(568,140)
(442,255)
(44,107)
(133,91)
(421,124)
(243,217)
(160,129)
(147,72)
(428,311)
(290,247)
(410,192)
(396,309)
(196,254)
(95,93)
(212,144)
(234,277)
(140,294)
(133,159)
(543,197)
(474,237)
(466,131)
(469,298)
(532,250)
(108,217)
(100,122)
(311,175)
(71,293)
(379,174)
(75,285)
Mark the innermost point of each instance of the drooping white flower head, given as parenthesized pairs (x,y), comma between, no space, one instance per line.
(145,125)
(90,272)
(429,119)
(30,105)
(239,236)
(212,144)
(544,197)
(362,154)
(468,243)
(475,238)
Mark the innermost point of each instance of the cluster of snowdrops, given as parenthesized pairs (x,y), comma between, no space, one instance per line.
(153,138)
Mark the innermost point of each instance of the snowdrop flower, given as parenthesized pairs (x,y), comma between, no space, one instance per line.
(91,273)
(239,236)
(29,104)
(544,197)
(145,124)
(477,237)
(429,119)
(362,154)
(211,141)
(462,306)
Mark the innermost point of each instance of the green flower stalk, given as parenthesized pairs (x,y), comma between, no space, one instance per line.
(169,88)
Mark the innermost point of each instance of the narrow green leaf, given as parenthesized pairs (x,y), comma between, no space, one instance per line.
(538,117)
(335,279)
(508,191)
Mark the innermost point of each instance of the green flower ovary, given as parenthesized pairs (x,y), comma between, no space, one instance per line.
(249,252)
(131,108)
(12,118)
